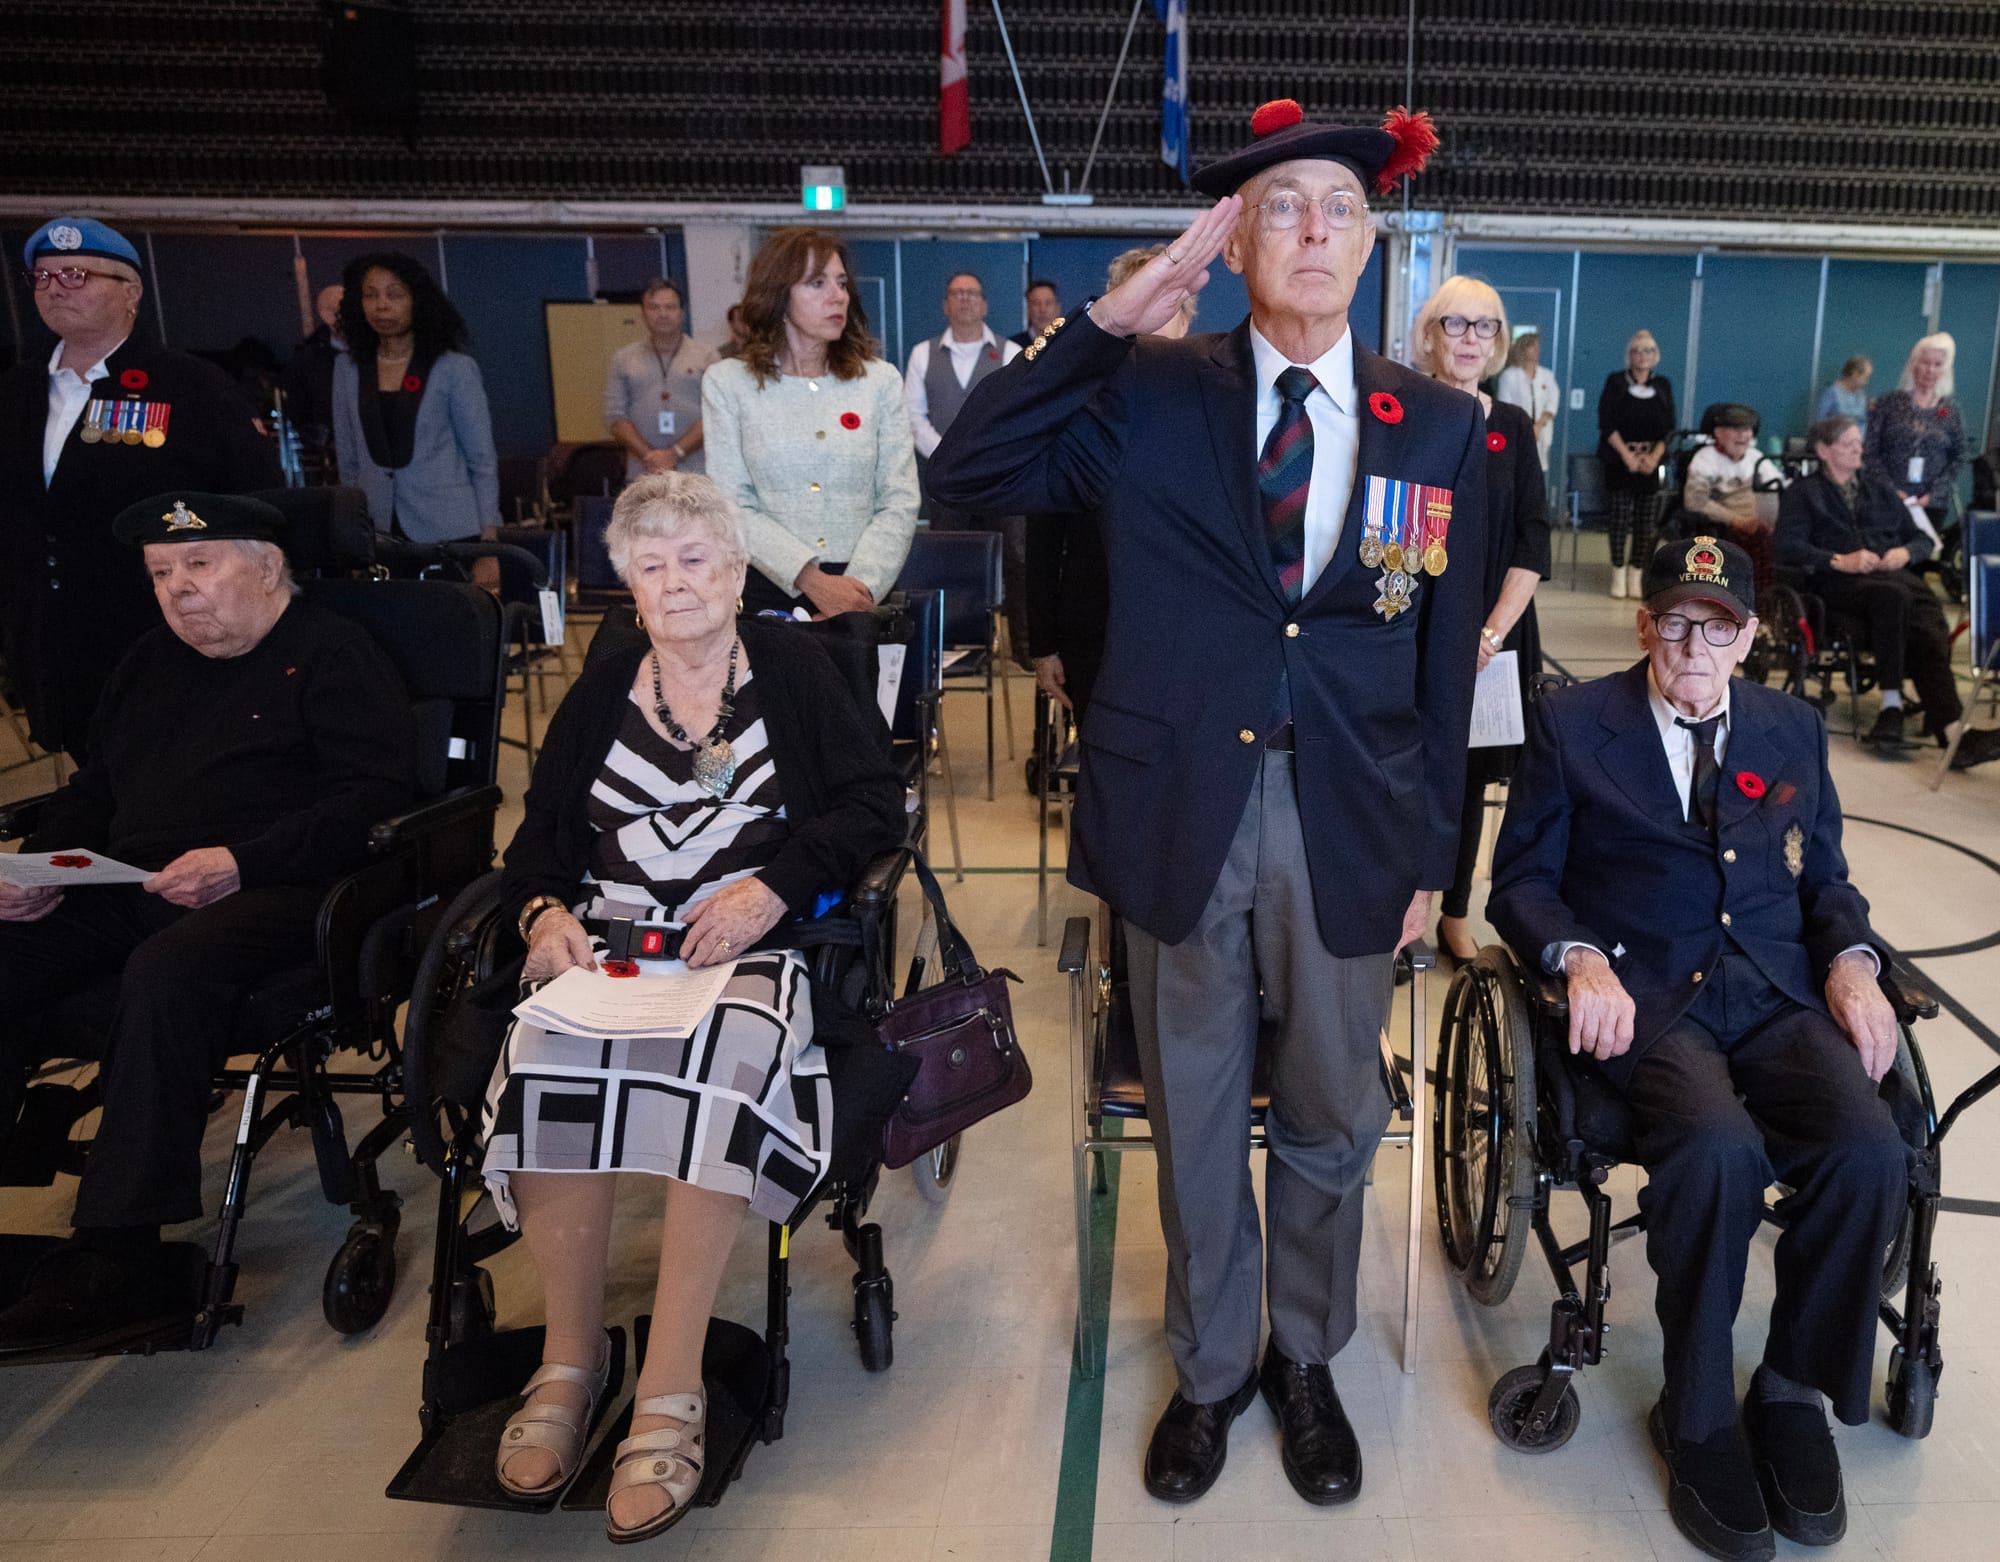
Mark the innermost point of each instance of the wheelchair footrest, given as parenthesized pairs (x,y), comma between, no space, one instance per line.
(174,1328)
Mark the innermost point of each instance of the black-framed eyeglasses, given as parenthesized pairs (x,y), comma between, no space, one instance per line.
(68,278)
(1716,631)
(1287,209)
(1485,327)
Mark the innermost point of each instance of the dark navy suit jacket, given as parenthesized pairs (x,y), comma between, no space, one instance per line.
(1160,439)
(1594,848)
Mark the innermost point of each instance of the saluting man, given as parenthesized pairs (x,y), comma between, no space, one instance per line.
(1273,764)
(111,420)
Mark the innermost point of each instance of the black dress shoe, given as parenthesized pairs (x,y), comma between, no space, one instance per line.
(1798,1470)
(1322,1459)
(1888,728)
(1191,1441)
(1976,747)
(1712,1492)
(78,1296)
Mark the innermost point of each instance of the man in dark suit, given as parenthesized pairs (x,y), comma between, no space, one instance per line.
(106,421)
(1849,531)
(1274,756)
(1672,843)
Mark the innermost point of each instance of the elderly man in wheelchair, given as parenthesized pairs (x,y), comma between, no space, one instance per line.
(240,754)
(1672,846)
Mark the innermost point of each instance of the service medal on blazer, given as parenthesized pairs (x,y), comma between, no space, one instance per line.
(1795,851)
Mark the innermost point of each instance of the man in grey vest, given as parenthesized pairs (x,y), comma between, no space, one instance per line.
(942,373)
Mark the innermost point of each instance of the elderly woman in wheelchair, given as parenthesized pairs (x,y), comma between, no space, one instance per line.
(1672,847)
(694,789)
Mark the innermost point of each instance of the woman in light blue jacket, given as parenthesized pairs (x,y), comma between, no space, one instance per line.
(410,424)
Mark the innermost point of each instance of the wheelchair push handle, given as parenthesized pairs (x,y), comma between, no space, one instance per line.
(390,549)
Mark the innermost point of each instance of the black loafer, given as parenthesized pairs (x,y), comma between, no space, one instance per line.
(1712,1493)
(1888,728)
(78,1296)
(1321,1456)
(1798,1470)
(1191,1442)
(1978,746)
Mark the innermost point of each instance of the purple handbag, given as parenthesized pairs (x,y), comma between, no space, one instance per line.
(961,1032)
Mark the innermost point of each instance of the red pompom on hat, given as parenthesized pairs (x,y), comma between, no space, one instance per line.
(1416,138)
(1276,115)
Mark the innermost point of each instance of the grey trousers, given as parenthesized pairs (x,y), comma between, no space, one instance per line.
(1195,1006)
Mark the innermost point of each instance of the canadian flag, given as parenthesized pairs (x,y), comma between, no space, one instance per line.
(954,108)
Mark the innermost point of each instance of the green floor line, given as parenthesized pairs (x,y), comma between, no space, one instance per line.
(1083,1419)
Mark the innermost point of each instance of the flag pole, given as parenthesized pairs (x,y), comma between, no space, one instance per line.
(1116,71)
(1007,44)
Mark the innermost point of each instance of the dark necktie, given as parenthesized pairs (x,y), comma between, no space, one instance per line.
(1284,472)
(1701,802)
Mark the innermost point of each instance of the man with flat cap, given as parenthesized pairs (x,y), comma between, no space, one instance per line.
(110,419)
(240,752)
(1672,844)
(1274,759)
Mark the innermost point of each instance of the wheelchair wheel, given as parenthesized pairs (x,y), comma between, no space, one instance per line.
(874,1303)
(934,1171)
(1915,1126)
(1483,1126)
(1912,1394)
(1513,1397)
(360,1280)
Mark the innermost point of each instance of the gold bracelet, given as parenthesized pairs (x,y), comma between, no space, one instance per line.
(524,924)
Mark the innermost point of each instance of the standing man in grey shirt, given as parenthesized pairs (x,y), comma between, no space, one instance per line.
(652,397)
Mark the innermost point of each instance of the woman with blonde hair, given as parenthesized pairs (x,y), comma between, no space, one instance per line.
(1635,419)
(1460,337)
(1916,440)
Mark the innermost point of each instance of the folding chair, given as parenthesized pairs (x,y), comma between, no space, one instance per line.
(966,567)
(1588,501)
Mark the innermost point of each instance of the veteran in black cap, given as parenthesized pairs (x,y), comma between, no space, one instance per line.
(1672,845)
(240,753)
(108,419)
(1275,755)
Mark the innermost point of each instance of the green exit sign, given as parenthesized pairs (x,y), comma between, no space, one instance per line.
(823,187)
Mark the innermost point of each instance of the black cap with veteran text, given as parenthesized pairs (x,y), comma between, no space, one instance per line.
(1702,569)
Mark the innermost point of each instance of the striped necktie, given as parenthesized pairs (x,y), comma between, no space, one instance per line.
(1284,472)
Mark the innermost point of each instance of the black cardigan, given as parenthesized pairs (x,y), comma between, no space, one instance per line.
(1814,523)
(843,799)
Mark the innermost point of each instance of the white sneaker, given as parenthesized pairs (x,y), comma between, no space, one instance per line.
(1618,581)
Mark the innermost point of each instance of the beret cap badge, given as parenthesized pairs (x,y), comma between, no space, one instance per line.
(65,237)
(181,519)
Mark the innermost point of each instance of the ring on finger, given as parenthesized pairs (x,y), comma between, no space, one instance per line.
(1173,257)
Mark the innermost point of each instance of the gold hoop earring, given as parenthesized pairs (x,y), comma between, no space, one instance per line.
(739,607)
(639,618)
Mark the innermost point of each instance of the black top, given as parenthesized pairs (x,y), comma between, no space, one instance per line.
(1638,420)
(1815,522)
(285,754)
(843,800)
(1517,537)
(71,599)
(389,418)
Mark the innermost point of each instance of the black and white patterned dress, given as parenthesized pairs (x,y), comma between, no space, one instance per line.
(743,1106)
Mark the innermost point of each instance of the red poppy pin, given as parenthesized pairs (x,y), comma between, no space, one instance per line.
(134,379)
(1941,411)
(69,860)
(412,384)
(1750,784)
(1496,442)
(850,420)
(993,353)
(1386,407)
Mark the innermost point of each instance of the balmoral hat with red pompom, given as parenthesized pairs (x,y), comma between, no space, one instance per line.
(1281,132)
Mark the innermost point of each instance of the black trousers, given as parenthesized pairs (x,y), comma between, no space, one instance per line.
(180,977)
(1907,633)
(1748,1089)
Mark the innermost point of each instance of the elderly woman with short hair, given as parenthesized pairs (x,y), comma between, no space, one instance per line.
(1460,338)
(1635,419)
(710,779)
(1915,438)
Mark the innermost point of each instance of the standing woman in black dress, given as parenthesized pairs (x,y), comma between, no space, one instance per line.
(1635,419)
(1461,338)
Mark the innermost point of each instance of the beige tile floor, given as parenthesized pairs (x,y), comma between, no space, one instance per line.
(279,1440)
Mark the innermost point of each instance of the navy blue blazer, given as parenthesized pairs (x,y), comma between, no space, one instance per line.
(1594,848)
(1159,438)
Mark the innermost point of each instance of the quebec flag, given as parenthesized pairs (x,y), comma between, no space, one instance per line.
(1174,91)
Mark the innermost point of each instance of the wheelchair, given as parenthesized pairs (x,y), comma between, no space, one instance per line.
(473,1373)
(447,642)
(1518,1119)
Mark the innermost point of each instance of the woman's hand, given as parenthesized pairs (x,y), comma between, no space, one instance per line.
(833,594)
(658,461)
(726,925)
(1895,558)
(197,878)
(1154,294)
(1049,679)
(557,941)
(1486,650)
(18,903)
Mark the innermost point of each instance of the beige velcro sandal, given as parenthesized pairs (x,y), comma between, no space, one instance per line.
(669,1458)
(558,1428)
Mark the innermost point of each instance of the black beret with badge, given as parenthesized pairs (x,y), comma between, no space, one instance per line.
(184,516)
(1706,569)
(1281,132)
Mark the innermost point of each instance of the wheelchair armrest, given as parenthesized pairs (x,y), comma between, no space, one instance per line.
(20,818)
(1907,993)
(1548,993)
(1420,955)
(1075,946)
(449,808)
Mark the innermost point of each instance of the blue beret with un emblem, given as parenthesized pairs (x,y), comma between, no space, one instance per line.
(71,238)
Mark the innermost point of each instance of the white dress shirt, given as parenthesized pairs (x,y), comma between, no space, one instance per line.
(1336,439)
(69,393)
(964,359)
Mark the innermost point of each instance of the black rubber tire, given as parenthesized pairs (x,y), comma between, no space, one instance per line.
(1896,1260)
(1507,1408)
(874,1324)
(1483,1126)
(933,1172)
(1912,1394)
(360,1281)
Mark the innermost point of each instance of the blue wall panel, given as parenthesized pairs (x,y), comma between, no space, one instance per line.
(500,285)
(874,283)
(1875,308)
(929,263)
(1971,312)
(1534,286)
(626,262)
(1757,314)
(219,288)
